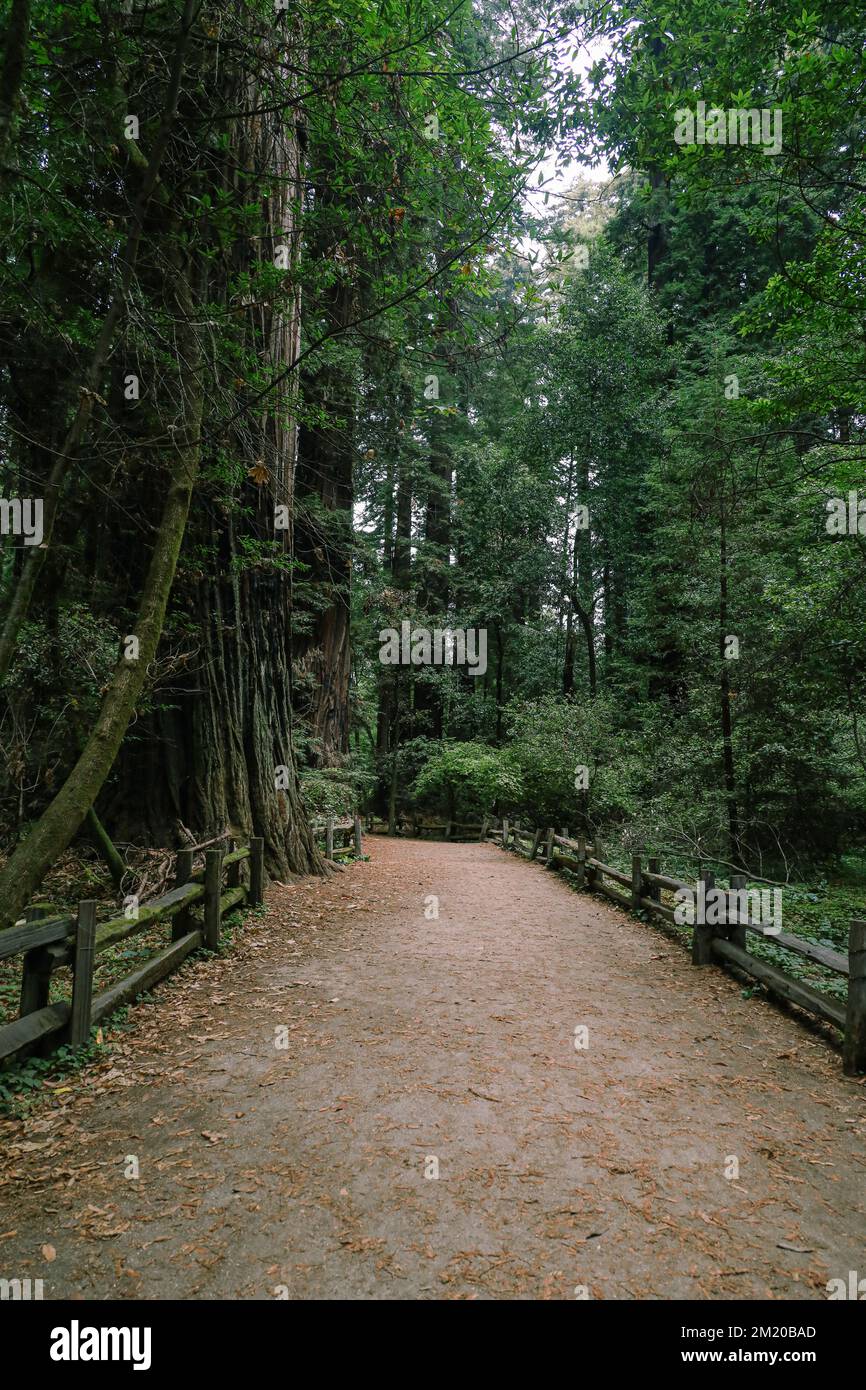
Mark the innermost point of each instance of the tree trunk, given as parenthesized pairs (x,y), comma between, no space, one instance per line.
(323,533)
(220,757)
(105,845)
(734,852)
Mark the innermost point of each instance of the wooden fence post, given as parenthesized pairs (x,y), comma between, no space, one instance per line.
(581,861)
(233,872)
(329,838)
(548,847)
(359,845)
(182,923)
(82,977)
(636,882)
(655,891)
(591,871)
(854,1047)
(484,824)
(738,932)
(257,871)
(213,872)
(504,833)
(535,843)
(36,972)
(702,936)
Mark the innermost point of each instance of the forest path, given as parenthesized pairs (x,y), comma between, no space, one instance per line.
(453,1039)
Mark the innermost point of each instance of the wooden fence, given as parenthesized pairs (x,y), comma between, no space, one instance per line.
(194,908)
(419,830)
(329,830)
(727,943)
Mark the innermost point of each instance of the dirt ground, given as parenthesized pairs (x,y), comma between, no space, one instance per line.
(415,1044)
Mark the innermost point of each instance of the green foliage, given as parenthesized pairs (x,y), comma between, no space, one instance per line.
(334,791)
(52,697)
(22,1085)
(466,778)
(550,739)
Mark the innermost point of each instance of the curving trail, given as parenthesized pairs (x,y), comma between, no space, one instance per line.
(302,1169)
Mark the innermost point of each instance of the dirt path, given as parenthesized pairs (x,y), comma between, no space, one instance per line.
(411,1040)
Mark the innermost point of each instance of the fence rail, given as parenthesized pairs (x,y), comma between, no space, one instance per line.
(328,830)
(725,943)
(77,940)
(194,907)
(417,829)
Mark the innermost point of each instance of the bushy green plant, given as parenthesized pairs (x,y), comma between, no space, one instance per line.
(469,777)
(551,738)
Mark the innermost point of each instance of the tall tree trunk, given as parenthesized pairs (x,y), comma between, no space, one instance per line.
(325,493)
(221,758)
(582,588)
(609,610)
(734,852)
(584,616)
(403,539)
(323,541)
(569,655)
(436,586)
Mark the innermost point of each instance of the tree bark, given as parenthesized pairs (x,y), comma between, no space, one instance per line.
(220,758)
(325,493)
(105,845)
